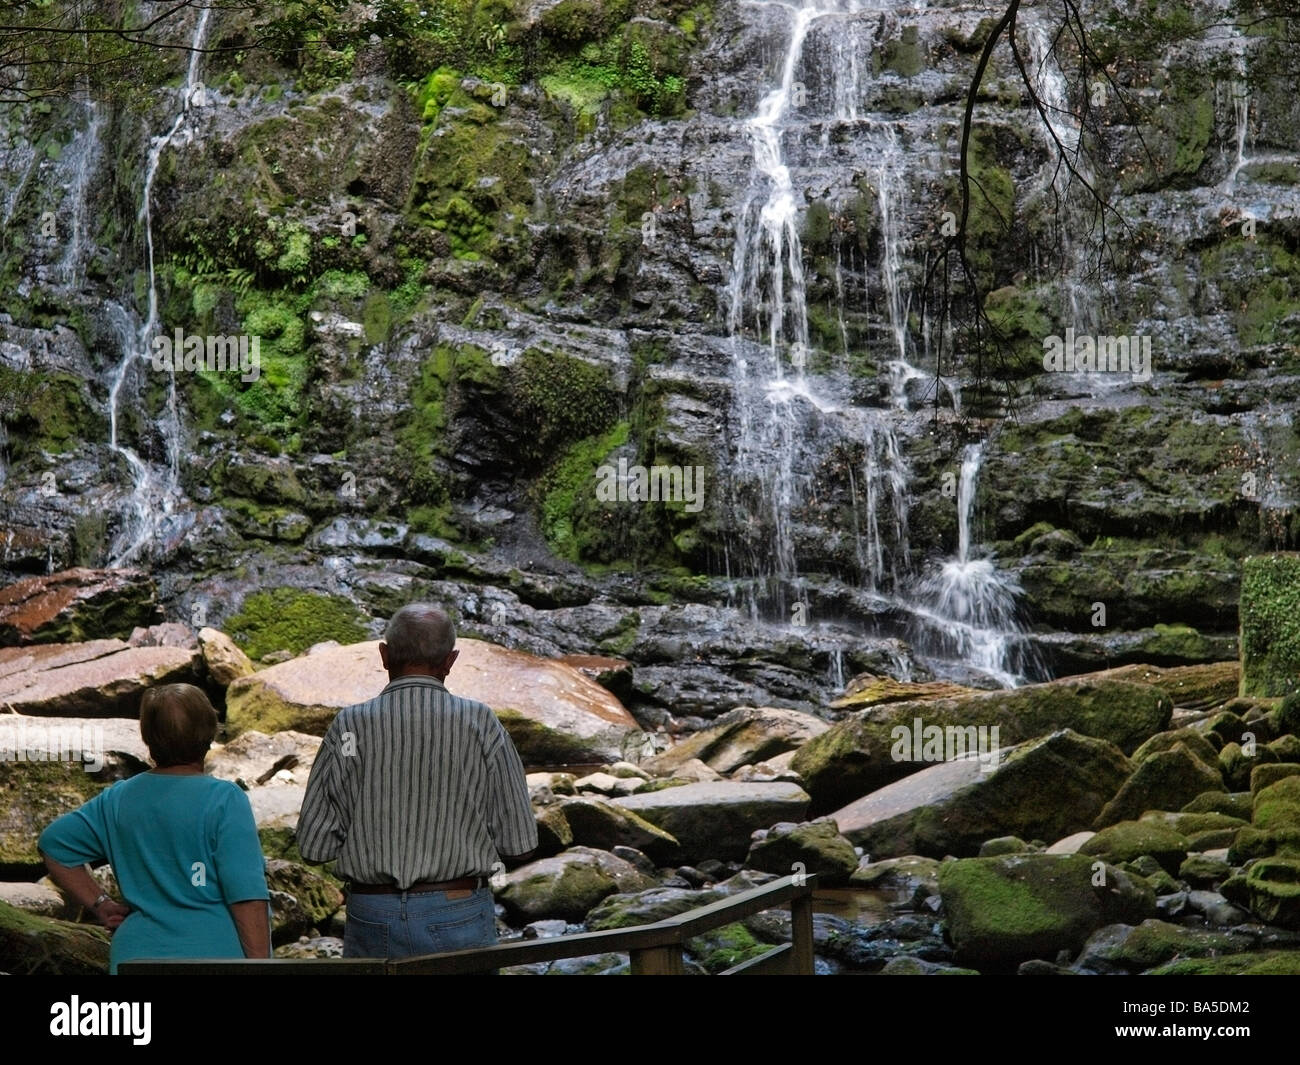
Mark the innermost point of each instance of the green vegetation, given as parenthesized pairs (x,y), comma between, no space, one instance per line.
(1270,625)
(289,619)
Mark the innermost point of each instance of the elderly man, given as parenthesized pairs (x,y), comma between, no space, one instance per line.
(414,794)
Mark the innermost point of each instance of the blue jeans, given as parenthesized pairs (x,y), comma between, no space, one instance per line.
(415,923)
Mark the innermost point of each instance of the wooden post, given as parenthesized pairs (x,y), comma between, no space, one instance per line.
(801,935)
(658,961)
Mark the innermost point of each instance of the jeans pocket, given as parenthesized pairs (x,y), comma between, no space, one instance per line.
(364,939)
(478,929)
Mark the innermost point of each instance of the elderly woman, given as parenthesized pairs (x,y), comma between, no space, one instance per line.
(183,846)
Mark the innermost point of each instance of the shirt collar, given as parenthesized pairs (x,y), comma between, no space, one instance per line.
(408,682)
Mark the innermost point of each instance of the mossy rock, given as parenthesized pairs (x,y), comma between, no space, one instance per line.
(553,832)
(813,847)
(856,755)
(43,946)
(567,886)
(1002,911)
(1154,942)
(647,907)
(1228,726)
(540,745)
(1189,824)
(993,848)
(1263,963)
(721,948)
(293,620)
(1167,780)
(1287,748)
(32,794)
(1251,843)
(1130,839)
(1270,624)
(1274,885)
(1264,776)
(1236,765)
(318,895)
(1232,804)
(1204,872)
(1194,741)
(596,823)
(1162,883)
(1286,718)
(1277,805)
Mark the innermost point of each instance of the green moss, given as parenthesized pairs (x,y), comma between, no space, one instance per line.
(46,412)
(724,947)
(560,400)
(539,745)
(571,481)
(41,946)
(291,619)
(1270,625)
(1262,963)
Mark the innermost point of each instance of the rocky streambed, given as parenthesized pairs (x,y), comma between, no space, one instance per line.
(1140,819)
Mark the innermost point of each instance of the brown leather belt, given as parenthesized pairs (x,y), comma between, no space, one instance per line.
(465,883)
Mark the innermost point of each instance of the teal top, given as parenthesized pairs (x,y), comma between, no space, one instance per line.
(182,848)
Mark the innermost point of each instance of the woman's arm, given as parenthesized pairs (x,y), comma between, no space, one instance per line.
(76,882)
(253,922)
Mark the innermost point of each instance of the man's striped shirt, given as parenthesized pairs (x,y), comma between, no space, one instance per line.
(415,785)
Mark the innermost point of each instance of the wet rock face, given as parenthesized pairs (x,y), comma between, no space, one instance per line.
(75,605)
(467,304)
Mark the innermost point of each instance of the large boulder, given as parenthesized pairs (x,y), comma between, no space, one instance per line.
(32,945)
(869,689)
(568,885)
(872,748)
(1130,840)
(103,678)
(31,796)
(814,847)
(75,605)
(1166,780)
(1270,637)
(38,899)
(1192,687)
(273,770)
(743,736)
(1045,789)
(109,748)
(596,823)
(1006,910)
(1123,948)
(716,819)
(554,714)
(1273,885)
(225,662)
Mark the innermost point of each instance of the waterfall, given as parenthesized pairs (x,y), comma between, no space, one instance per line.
(1079,306)
(969,607)
(153,497)
(80,158)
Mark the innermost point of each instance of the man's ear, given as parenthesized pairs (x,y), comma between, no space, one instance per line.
(450,661)
(383,654)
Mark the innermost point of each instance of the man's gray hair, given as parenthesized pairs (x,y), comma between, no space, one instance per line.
(419,634)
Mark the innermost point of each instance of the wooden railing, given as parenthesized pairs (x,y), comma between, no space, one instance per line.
(654,949)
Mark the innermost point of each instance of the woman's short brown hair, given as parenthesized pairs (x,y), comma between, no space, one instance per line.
(178,724)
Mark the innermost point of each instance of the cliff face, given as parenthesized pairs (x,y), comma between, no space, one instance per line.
(488,250)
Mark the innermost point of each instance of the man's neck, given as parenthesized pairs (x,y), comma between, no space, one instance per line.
(415,671)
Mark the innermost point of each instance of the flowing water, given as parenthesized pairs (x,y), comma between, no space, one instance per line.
(154,492)
(785,416)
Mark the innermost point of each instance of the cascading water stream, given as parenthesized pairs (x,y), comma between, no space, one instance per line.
(153,497)
(970,612)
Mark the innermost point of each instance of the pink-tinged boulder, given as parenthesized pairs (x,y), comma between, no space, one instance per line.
(554,713)
(102,678)
(75,605)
